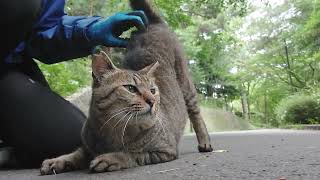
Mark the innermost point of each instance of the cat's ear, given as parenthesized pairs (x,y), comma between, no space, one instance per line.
(149,70)
(101,64)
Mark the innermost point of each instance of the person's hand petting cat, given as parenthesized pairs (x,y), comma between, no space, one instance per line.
(107,31)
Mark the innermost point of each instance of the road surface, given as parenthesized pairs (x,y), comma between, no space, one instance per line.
(257,154)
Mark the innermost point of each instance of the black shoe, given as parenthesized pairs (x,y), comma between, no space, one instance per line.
(13,158)
(2,144)
(5,155)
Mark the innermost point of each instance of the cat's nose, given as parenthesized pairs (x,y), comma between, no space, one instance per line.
(150,102)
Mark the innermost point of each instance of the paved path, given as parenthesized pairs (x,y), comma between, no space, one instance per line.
(260,154)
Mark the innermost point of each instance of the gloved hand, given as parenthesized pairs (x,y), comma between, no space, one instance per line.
(107,31)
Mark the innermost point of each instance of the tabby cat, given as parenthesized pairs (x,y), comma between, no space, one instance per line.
(138,113)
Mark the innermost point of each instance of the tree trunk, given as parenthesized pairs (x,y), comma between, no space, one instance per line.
(248,100)
(245,105)
(288,65)
(265,109)
(226,103)
(91,7)
(209,90)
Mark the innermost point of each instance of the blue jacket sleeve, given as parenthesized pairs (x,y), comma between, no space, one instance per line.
(58,37)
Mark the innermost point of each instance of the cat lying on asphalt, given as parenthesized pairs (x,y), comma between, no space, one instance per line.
(137,114)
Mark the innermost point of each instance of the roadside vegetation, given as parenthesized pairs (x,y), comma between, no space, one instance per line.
(259,59)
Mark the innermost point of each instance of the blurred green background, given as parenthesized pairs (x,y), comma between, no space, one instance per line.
(257,61)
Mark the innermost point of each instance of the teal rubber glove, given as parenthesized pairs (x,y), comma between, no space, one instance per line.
(107,32)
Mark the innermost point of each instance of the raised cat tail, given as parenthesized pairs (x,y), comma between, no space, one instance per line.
(145,5)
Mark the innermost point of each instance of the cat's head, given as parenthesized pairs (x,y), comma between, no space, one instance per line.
(124,96)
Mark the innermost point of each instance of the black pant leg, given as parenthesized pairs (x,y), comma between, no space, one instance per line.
(31,69)
(34,120)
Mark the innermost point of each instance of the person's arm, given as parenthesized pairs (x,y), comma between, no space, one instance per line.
(64,41)
(58,37)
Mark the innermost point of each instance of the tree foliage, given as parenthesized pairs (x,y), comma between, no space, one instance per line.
(248,54)
(281,43)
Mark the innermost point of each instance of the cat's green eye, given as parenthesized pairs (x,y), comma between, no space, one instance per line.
(153,90)
(131,88)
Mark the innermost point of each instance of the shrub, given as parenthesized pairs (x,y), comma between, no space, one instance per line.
(210,102)
(67,77)
(299,109)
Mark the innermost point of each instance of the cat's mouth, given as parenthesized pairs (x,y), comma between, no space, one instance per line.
(144,110)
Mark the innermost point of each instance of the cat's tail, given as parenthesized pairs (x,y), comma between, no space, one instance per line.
(146,6)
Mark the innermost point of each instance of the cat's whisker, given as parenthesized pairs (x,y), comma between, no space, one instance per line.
(120,110)
(116,114)
(136,117)
(154,137)
(124,129)
(162,126)
(165,76)
(121,119)
(160,117)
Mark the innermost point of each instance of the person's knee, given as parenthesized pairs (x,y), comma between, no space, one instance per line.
(17,84)
(36,119)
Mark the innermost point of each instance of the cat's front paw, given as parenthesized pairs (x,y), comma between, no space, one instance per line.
(55,166)
(205,148)
(106,163)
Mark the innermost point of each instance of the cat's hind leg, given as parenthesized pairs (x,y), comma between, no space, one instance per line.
(190,96)
(69,162)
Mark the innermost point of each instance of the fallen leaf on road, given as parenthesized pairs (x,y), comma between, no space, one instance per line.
(168,170)
(282,178)
(220,151)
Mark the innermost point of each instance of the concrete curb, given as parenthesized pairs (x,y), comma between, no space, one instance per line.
(311,127)
(315,127)
(81,99)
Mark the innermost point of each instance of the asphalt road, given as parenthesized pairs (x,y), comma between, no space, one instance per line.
(259,154)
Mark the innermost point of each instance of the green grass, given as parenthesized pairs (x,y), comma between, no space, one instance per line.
(68,77)
(291,126)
